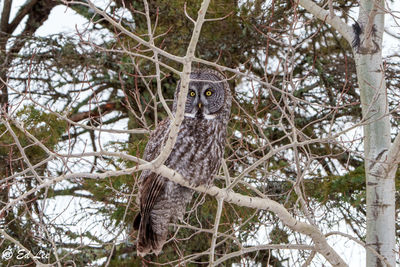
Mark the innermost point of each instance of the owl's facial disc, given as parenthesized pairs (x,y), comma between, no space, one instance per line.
(198,101)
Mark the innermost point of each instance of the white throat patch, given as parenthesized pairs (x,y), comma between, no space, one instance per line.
(209,117)
(190,115)
(206,116)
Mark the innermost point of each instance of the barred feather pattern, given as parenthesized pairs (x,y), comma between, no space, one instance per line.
(196,155)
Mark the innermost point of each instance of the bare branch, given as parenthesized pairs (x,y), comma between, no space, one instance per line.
(325,16)
(263,247)
(215,234)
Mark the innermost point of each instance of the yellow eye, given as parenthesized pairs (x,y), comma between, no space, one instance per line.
(192,93)
(208,93)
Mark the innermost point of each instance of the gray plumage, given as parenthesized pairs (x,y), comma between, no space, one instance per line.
(196,156)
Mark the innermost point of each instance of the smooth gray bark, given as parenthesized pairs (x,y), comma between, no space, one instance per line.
(380,184)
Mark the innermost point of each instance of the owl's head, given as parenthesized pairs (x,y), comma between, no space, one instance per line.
(209,96)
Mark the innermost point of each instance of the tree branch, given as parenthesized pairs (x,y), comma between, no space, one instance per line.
(5,15)
(229,196)
(98,111)
(390,165)
(215,233)
(262,247)
(126,32)
(23,11)
(324,15)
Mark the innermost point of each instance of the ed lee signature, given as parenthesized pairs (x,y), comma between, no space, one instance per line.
(20,254)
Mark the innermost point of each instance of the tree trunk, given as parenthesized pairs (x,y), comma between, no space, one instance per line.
(380,185)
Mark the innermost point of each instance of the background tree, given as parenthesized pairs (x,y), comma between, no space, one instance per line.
(294,144)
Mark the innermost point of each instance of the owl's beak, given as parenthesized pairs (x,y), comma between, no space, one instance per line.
(199,105)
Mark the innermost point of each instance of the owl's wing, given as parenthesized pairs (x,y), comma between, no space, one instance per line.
(151,188)
(156,140)
(151,185)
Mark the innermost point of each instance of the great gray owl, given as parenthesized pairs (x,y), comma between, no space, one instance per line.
(196,156)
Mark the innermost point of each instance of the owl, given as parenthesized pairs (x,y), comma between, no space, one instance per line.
(196,155)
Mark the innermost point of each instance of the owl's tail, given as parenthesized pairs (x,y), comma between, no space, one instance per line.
(148,239)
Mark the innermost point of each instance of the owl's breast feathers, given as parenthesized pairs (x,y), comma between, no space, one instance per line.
(198,150)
